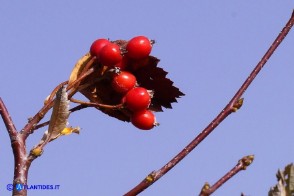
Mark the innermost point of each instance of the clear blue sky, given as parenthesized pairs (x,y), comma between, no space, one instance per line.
(208,48)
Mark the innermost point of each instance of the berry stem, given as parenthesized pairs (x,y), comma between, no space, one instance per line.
(229,108)
(241,165)
(100,105)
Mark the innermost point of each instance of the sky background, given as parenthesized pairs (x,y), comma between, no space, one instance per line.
(208,48)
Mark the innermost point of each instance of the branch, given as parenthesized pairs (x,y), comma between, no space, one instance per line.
(7,120)
(241,165)
(18,148)
(234,104)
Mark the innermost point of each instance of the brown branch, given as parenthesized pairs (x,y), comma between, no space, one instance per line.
(241,165)
(18,148)
(232,106)
(7,120)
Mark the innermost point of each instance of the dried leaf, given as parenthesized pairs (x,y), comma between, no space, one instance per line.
(278,190)
(289,173)
(285,186)
(78,68)
(59,116)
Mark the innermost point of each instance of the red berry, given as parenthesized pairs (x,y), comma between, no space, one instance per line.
(110,55)
(139,47)
(137,99)
(123,81)
(97,46)
(144,119)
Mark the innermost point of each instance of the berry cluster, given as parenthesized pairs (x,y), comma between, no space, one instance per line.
(122,60)
(121,79)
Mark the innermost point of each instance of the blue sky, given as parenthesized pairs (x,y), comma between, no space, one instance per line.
(208,48)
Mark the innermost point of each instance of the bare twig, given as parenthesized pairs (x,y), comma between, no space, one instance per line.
(241,165)
(230,107)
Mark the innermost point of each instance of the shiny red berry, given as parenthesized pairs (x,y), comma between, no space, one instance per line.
(139,47)
(144,119)
(123,81)
(97,46)
(110,55)
(137,99)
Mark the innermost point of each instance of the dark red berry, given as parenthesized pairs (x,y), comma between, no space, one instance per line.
(123,81)
(137,99)
(97,46)
(144,119)
(139,47)
(110,55)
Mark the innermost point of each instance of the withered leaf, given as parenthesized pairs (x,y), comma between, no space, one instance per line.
(78,68)
(59,116)
(285,185)
(289,172)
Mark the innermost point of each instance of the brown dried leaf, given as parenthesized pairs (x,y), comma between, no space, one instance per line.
(289,172)
(59,116)
(78,68)
(285,185)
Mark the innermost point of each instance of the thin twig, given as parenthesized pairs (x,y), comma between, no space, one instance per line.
(232,106)
(241,165)
(100,105)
